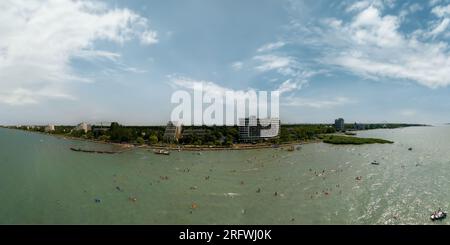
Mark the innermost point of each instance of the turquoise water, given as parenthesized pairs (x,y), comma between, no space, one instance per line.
(43,182)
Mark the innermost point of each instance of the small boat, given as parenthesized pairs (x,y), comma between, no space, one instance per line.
(161,152)
(410,149)
(375,163)
(438,215)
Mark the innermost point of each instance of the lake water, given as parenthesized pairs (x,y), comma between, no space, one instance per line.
(43,182)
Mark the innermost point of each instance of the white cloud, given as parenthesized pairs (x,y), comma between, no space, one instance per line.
(364,4)
(273,62)
(295,73)
(291,85)
(96,55)
(415,7)
(193,84)
(317,104)
(237,65)
(39,39)
(409,9)
(271,46)
(370,28)
(408,113)
(180,82)
(149,37)
(441,27)
(213,88)
(359,5)
(372,45)
(434,2)
(18,97)
(441,11)
(22,96)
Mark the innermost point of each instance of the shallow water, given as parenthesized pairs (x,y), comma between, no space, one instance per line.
(43,182)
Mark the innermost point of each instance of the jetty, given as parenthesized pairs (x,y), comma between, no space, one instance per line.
(94,151)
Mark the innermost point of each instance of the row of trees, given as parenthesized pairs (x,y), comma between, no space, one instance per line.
(115,133)
(303,132)
(199,135)
(384,125)
(228,135)
(131,134)
(215,135)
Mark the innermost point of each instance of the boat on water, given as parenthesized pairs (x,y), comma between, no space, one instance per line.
(438,215)
(161,152)
(375,163)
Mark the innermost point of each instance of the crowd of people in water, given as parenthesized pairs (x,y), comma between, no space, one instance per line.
(321,174)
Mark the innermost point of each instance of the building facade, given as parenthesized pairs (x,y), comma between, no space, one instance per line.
(359,126)
(49,128)
(339,124)
(83,127)
(172,132)
(253,129)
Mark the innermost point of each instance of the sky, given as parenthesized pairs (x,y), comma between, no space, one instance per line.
(368,61)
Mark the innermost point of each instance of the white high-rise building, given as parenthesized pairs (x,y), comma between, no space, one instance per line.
(83,127)
(253,129)
(49,128)
(172,132)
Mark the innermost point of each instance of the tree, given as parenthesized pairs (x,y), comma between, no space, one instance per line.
(120,133)
(153,139)
(140,140)
(77,133)
(228,141)
(103,138)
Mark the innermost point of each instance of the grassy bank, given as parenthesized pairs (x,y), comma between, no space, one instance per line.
(349,140)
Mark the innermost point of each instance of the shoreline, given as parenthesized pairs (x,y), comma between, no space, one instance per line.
(124,147)
(236,147)
(128,146)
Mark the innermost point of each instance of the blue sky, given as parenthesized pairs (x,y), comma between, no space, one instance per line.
(65,62)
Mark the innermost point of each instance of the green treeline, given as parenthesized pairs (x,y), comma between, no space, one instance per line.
(203,135)
(348,140)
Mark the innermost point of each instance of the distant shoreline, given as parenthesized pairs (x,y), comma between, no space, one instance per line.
(127,146)
(287,145)
(124,147)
